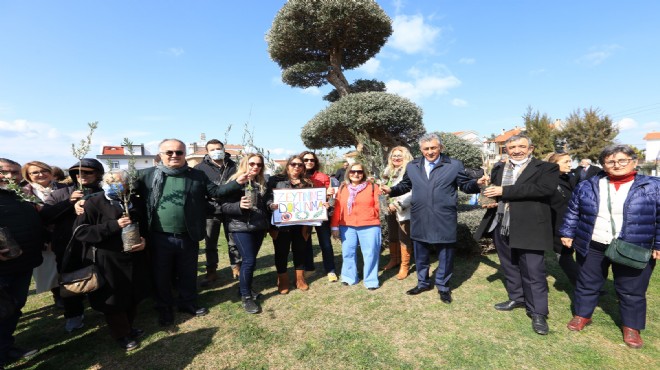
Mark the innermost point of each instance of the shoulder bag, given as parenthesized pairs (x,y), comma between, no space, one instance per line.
(82,281)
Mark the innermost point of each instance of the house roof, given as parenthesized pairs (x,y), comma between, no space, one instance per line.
(113,150)
(652,136)
(505,135)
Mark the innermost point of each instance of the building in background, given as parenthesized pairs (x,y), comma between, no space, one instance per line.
(116,157)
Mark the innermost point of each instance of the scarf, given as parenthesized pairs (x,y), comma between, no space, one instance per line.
(353,191)
(618,180)
(158,182)
(42,192)
(503,214)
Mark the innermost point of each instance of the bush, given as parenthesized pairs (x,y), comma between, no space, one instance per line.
(469,218)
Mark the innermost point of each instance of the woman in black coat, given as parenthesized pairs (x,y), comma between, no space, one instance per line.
(125,271)
(558,205)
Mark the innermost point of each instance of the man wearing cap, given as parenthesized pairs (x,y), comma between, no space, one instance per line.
(175,195)
(59,212)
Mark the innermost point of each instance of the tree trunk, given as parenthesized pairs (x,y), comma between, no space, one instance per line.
(335,76)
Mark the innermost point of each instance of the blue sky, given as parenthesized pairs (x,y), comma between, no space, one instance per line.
(154,69)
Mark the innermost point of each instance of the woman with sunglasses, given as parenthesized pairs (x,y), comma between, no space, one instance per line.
(320,180)
(248,223)
(40,183)
(293,237)
(619,204)
(398,218)
(356,220)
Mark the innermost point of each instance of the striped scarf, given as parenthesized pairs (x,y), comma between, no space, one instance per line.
(503,212)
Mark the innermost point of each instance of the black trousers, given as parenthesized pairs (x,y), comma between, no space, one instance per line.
(524,273)
(174,258)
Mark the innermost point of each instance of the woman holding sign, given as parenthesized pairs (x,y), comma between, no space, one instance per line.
(291,236)
(246,216)
(356,219)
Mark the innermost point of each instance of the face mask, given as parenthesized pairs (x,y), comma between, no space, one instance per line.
(113,191)
(217,154)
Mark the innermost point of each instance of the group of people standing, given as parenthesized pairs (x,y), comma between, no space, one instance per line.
(538,206)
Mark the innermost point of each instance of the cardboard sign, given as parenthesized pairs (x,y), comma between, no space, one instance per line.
(299,206)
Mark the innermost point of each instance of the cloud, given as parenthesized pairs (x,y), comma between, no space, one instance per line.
(424,84)
(371,67)
(597,55)
(459,102)
(411,35)
(626,124)
(467,61)
(315,91)
(175,52)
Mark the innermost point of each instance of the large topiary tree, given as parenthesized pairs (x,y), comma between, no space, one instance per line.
(386,118)
(314,41)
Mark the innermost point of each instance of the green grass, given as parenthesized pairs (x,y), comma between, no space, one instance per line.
(336,327)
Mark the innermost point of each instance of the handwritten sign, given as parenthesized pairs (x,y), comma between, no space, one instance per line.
(299,206)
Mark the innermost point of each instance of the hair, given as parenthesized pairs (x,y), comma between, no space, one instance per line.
(285,172)
(177,140)
(555,157)
(518,137)
(243,168)
(365,174)
(42,165)
(213,141)
(9,161)
(586,160)
(108,177)
(614,149)
(317,165)
(58,174)
(429,137)
(407,157)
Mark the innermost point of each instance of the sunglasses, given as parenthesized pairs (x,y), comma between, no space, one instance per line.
(87,172)
(309,160)
(356,172)
(296,164)
(257,164)
(171,153)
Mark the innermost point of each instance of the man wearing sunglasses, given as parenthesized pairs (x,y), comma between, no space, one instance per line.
(435,179)
(175,195)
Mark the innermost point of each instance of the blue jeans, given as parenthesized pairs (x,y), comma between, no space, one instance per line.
(369,238)
(323,234)
(248,245)
(16,285)
(178,256)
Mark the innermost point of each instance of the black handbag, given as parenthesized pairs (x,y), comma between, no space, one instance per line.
(83,280)
(623,252)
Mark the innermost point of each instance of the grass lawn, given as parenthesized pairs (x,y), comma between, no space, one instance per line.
(337,327)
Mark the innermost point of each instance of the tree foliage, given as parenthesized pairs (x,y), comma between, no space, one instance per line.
(314,41)
(386,118)
(587,133)
(461,149)
(359,85)
(538,129)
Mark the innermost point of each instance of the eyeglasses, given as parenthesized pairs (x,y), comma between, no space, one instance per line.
(356,172)
(309,160)
(257,164)
(171,153)
(87,172)
(620,162)
(295,164)
(397,156)
(37,173)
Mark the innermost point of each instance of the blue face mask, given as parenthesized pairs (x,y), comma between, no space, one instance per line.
(217,155)
(113,191)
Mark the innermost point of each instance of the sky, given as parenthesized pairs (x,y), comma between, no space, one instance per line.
(150,70)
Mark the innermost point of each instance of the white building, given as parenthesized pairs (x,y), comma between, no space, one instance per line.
(652,146)
(116,157)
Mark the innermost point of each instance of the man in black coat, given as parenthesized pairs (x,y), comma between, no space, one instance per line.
(218,167)
(21,220)
(521,225)
(585,170)
(176,199)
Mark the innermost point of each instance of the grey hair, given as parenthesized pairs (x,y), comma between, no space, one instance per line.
(180,142)
(614,149)
(518,137)
(429,137)
(108,177)
(586,160)
(9,161)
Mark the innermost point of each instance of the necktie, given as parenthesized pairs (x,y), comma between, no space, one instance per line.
(431,165)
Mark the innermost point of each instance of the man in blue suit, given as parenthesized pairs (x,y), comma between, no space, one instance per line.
(435,179)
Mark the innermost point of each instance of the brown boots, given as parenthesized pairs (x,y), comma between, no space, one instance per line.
(300,280)
(405,262)
(236,270)
(283,283)
(210,278)
(395,256)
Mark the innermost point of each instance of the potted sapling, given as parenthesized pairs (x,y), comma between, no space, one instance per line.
(130,235)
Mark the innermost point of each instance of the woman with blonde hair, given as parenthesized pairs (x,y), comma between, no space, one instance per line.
(246,218)
(398,218)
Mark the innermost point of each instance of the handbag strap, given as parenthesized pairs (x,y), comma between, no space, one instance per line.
(67,251)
